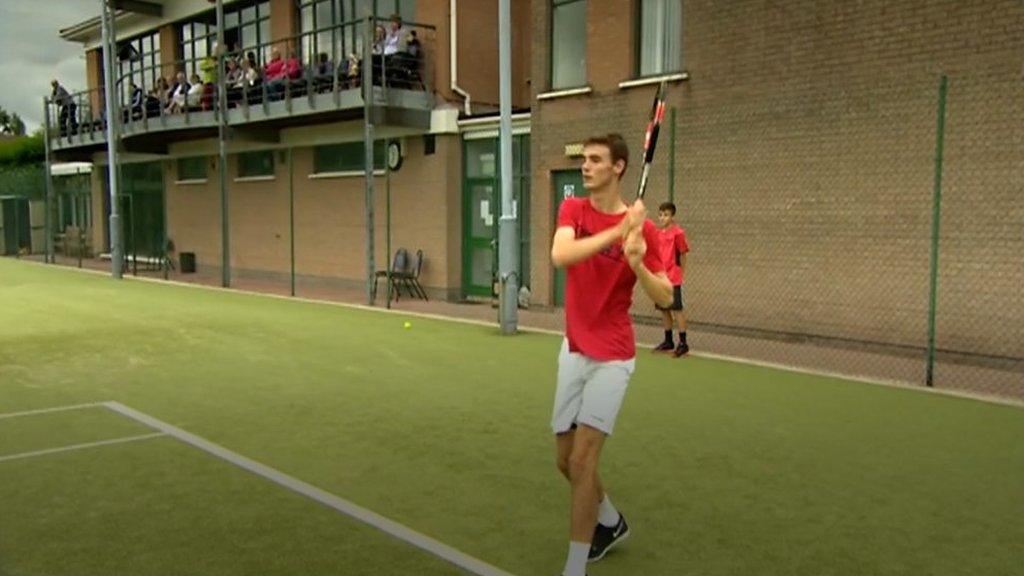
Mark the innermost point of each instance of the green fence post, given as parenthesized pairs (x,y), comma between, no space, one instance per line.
(933,281)
(672,155)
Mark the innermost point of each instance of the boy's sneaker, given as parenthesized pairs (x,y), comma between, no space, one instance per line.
(605,538)
(664,347)
(682,350)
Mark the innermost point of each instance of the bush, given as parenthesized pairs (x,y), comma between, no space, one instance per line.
(22,151)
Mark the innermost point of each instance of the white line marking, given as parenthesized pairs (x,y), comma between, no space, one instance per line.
(422,541)
(74,447)
(49,410)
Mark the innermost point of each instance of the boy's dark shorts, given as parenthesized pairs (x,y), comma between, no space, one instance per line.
(677,300)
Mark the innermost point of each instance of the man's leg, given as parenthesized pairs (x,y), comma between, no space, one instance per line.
(583,447)
(586,487)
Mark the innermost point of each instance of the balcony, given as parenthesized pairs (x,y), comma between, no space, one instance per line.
(307,89)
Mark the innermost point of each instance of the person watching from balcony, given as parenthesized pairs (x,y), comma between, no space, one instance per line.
(67,115)
(134,111)
(275,74)
(178,93)
(195,91)
(395,40)
(292,66)
(209,69)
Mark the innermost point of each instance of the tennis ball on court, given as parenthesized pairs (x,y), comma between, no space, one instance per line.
(407,325)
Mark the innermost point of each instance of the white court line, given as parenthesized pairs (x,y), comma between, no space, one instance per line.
(74,447)
(421,541)
(49,410)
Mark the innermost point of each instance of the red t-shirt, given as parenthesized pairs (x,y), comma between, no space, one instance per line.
(671,248)
(599,290)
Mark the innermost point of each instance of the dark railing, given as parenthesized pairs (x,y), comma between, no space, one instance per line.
(301,72)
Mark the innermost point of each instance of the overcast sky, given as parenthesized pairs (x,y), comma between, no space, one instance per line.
(32,52)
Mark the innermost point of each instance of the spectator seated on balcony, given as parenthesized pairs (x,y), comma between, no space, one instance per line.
(323,73)
(233,80)
(274,75)
(176,100)
(293,71)
(246,84)
(135,102)
(350,71)
(403,68)
(195,92)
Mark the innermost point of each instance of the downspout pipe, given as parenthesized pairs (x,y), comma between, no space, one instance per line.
(454,54)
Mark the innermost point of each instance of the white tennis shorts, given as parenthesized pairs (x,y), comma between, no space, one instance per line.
(589,391)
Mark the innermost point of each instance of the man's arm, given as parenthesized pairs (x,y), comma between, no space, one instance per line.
(657,286)
(566,250)
(682,265)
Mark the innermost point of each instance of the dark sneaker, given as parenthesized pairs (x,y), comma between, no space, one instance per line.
(606,538)
(664,347)
(682,350)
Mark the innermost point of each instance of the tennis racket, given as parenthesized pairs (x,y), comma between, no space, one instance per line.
(651,137)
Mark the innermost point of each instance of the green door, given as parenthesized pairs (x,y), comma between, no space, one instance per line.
(568,183)
(482,210)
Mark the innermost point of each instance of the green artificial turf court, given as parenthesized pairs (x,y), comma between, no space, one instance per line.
(721,468)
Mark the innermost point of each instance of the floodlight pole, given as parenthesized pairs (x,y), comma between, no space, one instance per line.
(113,116)
(508,230)
(50,257)
(368,150)
(222,148)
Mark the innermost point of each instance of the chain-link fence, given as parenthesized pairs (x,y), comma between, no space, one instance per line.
(810,215)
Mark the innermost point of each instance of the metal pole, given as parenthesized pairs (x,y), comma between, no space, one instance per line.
(222,146)
(291,214)
(933,281)
(508,231)
(51,258)
(672,155)
(368,151)
(387,235)
(113,117)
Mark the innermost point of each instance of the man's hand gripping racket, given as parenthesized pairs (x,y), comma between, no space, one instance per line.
(634,245)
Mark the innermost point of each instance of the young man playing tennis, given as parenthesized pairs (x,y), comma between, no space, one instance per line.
(603,244)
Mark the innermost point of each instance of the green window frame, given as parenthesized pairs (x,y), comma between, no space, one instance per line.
(568,43)
(254,164)
(347,157)
(659,36)
(193,168)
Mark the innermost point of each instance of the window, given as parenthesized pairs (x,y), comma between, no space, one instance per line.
(138,61)
(347,157)
(256,164)
(661,36)
(192,168)
(320,24)
(247,27)
(568,44)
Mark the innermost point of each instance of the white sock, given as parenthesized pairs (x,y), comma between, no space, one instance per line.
(576,563)
(607,515)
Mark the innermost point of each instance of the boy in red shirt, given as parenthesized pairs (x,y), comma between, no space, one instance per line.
(672,248)
(603,244)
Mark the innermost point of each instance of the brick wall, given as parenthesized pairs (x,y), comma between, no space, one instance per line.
(330,224)
(805,162)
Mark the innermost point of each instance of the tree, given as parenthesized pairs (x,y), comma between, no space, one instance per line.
(11,124)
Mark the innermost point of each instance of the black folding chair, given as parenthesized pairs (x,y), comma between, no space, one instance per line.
(399,267)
